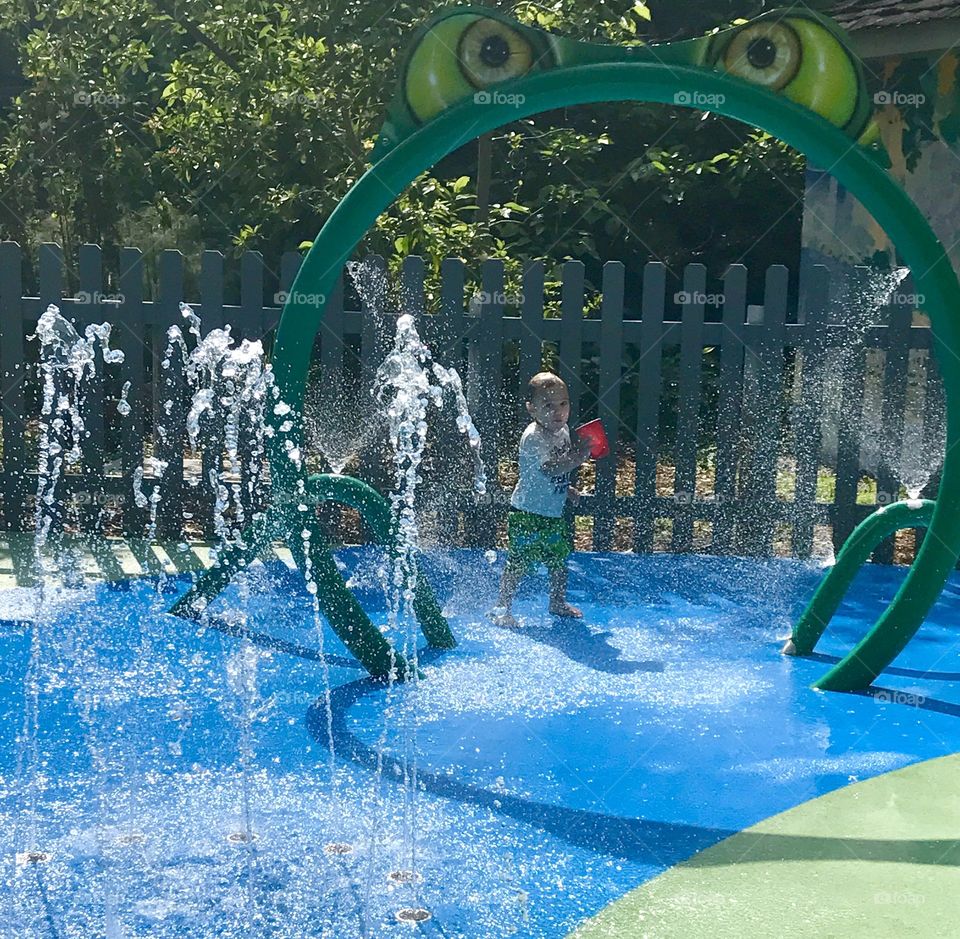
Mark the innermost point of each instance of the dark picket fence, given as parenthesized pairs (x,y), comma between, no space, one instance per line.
(713,406)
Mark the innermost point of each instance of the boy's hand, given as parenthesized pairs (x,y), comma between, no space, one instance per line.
(581,448)
(573,494)
(567,460)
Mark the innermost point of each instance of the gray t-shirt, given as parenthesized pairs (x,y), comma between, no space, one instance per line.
(537,491)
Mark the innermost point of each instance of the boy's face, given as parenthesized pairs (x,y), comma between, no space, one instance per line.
(550,407)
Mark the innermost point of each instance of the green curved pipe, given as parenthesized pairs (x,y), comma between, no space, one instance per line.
(376,514)
(912,513)
(887,638)
(341,609)
(344,614)
(823,143)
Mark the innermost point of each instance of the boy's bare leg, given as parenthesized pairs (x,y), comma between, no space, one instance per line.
(508,587)
(558,595)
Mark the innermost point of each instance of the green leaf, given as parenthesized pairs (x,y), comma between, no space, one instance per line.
(460,184)
(642,10)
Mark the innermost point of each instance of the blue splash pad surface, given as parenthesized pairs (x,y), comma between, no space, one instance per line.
(558,765)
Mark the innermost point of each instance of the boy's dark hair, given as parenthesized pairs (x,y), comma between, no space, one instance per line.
(543,381)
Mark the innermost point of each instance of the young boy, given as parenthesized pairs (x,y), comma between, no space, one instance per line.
(536,529)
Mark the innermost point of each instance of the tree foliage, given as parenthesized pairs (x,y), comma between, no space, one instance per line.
(165,123)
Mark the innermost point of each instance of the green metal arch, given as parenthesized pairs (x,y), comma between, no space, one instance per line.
(653,82)
(344,613)
(912,513)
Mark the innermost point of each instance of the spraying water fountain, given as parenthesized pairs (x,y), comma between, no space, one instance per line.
(919,457)
(230,399)
(67,366)
(350,424)
(839,415)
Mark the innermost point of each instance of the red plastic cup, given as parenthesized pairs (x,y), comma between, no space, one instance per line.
(595,435)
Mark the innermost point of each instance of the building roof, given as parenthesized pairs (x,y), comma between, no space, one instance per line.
(855,15)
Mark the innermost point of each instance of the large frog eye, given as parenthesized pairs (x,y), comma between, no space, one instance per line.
(491,51)
(803,59)
(465,52)
(767,54)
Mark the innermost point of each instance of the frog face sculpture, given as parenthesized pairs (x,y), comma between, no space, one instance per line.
(472,53)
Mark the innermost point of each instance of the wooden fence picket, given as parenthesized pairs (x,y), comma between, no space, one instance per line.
(213,316)
(693,299)
(759,505)
(850,430)
(14,374)
(134,427)
(450,328)
(254,318)
(570,350)
(729,408)
(807,429)
(653,332)
(531,332)
(448,349)
(51,275)
(93,309)
(211,310)
(375,310)
(608,401)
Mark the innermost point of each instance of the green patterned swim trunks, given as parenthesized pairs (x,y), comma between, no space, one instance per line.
(536,539)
